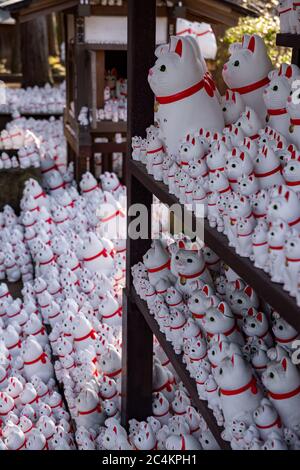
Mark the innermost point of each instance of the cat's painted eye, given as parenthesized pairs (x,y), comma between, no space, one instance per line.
(224,110)
(163,68)
(275,88)
(236,63)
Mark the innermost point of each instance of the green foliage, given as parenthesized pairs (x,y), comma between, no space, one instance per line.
(267,26)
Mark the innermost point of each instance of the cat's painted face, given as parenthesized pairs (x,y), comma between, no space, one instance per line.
(176,68)
(248,63)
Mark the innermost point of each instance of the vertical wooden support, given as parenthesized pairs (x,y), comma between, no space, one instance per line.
(97,65)
(137,336)
(296,56)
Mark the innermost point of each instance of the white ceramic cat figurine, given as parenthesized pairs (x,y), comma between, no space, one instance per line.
(282,381)
(267,168)
(275,97)
(232,107)
(247,70)
(180,81)
(267,419)
(285,205)
(239,391)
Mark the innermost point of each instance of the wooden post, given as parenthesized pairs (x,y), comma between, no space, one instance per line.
(296,56)
(137,352)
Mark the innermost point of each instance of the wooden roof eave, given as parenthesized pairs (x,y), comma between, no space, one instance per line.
(26,10)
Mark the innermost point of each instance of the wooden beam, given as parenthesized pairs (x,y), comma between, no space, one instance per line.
(137,336)
(44,7)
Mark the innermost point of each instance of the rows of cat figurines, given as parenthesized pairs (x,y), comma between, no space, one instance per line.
(238,350)
(246,177)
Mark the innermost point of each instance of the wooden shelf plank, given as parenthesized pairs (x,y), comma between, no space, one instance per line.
(94,46)
(271,292)
(182,372)
(288,40)
(109,127)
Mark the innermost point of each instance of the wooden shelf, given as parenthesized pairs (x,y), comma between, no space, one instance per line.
(109,127)
(182,372)
(95,46)
(288,40)
(271,292)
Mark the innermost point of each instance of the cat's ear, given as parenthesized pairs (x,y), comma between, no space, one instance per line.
(284,363)
(252,44)
(176,45)
(161,50)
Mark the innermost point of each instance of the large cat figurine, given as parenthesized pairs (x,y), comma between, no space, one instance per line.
(247,71)
(185,93)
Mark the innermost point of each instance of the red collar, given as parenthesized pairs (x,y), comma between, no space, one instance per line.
(41,331)
(294,222)
(54,316)
(49,169)
(62,185)
(91,334)
(175,305)
(110,398)
(160,149)
(57,406)
(213,390)
(42,194)
(43,358)
(117,187)
(178,327)
(160,268)
(91,189)
(78,266)
(285,11)
(181,95)
(112,216)
(227,333)
(102,253)
(97,409)
(4,378)
(44,263)
(162,414)
(252,87)
(286,341)
(198,315)
(284,396)
(117,312)
(166,386)
(192,276)
(276,247)
(113,374)
(254,137)
(295,122)
(244,234)
(260,244)
(251,385)
(268,173)
(293,260)
(216,169)
(18,344)
(225,190)
(292,183)
(276,112)
(277,423)
(198,358)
